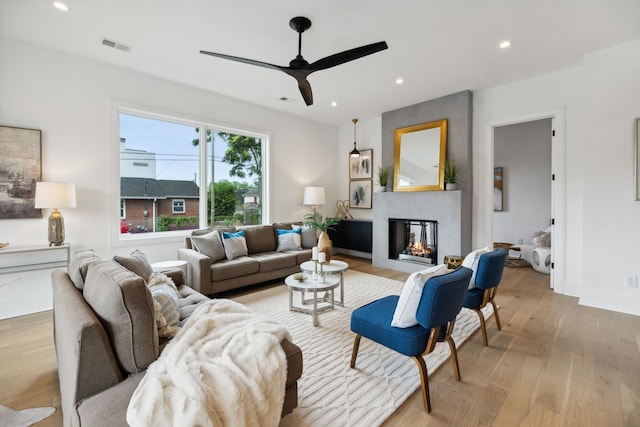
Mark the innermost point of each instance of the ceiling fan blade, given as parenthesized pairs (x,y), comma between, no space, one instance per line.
(305,90)
(346,56)
(244,60)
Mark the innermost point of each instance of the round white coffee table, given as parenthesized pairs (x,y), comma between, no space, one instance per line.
(308,285)
(332,268)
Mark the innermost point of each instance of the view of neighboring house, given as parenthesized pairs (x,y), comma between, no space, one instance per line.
(149,204)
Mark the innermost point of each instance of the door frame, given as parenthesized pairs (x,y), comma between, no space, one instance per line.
(558,240)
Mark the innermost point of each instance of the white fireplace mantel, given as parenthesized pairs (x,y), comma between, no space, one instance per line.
(445,207)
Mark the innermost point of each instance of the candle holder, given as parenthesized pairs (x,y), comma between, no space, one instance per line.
(321,273)
(315,275)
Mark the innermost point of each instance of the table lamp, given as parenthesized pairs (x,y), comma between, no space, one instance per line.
(55,195)
(314,196)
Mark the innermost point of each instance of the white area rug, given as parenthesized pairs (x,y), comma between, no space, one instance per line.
(24,418)
(329,392)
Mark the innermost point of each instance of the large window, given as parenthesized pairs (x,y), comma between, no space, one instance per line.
(170,181)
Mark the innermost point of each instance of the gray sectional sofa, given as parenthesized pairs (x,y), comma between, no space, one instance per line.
(106,336)
(210,270)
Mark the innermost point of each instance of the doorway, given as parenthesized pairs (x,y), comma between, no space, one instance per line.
(530,151)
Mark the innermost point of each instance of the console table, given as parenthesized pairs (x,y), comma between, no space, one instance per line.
(352,234)
(28,258)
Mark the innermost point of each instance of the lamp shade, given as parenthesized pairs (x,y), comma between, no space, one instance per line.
(55,195)
(314,196)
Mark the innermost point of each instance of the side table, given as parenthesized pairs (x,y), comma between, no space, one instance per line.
(176,264)
(335,267)
(308,285)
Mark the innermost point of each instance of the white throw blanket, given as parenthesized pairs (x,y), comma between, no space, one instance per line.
(224,368)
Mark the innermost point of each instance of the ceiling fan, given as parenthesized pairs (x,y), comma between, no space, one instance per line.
(299,68)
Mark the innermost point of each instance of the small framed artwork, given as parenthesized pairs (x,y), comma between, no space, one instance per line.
(360,193)
(361,167)
(498,186)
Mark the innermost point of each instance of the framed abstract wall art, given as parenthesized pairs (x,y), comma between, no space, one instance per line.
(361,167)
(360,194)
(20,169)
(498,187)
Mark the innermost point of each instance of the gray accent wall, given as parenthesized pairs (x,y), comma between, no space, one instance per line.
(458,110)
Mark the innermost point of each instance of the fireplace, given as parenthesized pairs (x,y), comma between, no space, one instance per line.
(413,240)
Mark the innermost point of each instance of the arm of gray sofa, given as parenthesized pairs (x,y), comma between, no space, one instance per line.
(198,269)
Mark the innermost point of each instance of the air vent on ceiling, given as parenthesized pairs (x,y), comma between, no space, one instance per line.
(114,44)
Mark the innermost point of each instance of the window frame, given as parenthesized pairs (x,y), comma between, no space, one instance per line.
(173,206)
(119,107)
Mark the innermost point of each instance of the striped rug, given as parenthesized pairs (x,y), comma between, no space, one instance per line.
(329,392)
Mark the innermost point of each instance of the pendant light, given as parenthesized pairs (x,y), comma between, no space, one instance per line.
(354,152)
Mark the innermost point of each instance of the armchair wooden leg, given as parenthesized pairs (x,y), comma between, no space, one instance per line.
(495,314)
(454,357)
(354,352)
(424,381)
(483,327)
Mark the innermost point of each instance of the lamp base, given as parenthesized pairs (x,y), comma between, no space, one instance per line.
(56,228)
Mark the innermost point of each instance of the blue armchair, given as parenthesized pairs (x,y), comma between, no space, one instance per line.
(440,303)
(488,276)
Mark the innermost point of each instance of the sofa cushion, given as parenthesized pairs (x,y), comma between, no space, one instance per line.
(79,265)
(230,269)
(235,244)
(289,240)
(137,262)
(189,300)
(270,261)
(260,238)
(209,244)
(124,305)
(309,235)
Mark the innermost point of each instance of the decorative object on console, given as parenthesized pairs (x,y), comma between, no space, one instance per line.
(20,168)
(360,194)
(383,177)
(453,261)
(450,175)
(55,195)
(343,210)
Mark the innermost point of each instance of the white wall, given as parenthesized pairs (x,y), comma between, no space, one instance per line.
(602,231)
(524,151)
(72,100)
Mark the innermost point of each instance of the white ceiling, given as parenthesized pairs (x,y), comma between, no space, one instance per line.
(438,47)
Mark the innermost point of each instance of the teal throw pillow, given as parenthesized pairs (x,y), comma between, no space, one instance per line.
(235,244)
(289,240)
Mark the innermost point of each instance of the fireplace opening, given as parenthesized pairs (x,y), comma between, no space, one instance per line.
(413,240)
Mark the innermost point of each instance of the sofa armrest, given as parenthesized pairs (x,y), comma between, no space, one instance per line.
(198,269)
(177,276)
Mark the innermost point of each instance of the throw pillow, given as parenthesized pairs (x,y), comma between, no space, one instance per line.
(166,304)
(471,261)
(309,236)
(210,245)
(137,263)
(289,240)
(405,314)
(235,245)
(79,265)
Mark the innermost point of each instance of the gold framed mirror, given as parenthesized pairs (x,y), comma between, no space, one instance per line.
(420,154)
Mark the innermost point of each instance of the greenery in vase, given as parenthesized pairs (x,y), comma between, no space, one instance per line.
(383,175)
(450,172)
(315,220)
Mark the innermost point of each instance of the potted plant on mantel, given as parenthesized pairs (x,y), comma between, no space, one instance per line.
(383,177)
(450,175)
(316,221)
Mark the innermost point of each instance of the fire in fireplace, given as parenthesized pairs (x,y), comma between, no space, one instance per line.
(413,240)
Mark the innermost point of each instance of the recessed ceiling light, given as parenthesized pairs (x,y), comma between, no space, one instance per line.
(61,6)
(399,81)
(334,104)
(505,44)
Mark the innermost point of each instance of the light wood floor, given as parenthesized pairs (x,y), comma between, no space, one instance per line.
(554,363)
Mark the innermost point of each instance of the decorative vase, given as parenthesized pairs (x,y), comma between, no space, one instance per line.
(324,245)
(450,186)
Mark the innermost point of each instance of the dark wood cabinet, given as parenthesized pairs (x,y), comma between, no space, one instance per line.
(352,234)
